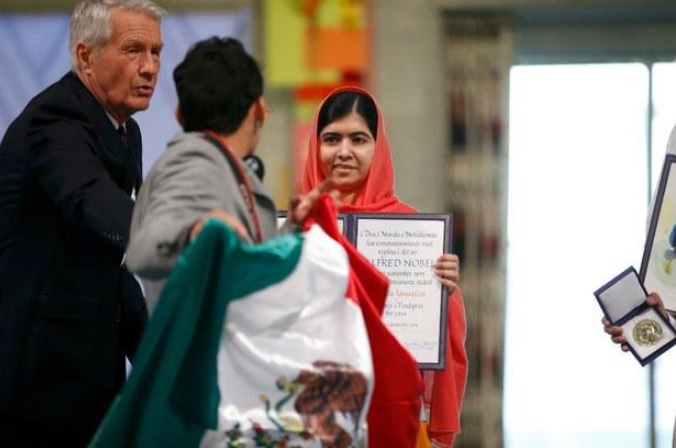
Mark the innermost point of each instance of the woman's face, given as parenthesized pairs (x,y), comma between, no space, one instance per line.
(346,149)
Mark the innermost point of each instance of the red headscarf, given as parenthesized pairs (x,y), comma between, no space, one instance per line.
(443,390)
(377,192)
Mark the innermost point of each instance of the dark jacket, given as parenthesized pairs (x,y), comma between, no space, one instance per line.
(68,311)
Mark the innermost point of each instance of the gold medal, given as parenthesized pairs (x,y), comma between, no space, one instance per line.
(647,332)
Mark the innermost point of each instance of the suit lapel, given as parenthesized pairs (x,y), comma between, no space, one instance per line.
(123,161)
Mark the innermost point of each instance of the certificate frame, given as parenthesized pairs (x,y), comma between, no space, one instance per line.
(658,264)
(405,309)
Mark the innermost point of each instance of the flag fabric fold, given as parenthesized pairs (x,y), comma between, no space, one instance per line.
(250,345)
(275,344)
(394,415)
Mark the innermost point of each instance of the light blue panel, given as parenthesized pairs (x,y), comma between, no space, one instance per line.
(34,51)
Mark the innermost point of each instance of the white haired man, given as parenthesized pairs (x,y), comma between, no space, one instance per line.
(70,312)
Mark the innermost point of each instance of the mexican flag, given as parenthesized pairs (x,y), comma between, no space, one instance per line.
(250,345)
(271,345)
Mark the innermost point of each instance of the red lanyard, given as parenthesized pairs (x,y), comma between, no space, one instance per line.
(243,181)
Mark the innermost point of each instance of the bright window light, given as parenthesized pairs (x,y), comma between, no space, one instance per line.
(576,218)
(664,118)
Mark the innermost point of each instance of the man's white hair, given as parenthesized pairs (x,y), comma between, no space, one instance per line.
(90,22)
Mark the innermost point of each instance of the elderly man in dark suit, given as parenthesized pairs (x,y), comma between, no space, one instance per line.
(69,167)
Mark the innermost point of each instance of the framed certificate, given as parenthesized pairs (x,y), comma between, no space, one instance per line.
(658,265)
(405,247)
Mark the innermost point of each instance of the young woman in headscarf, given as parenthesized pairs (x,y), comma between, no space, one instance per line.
(348,143)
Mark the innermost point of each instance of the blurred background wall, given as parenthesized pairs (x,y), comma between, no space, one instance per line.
(442,72)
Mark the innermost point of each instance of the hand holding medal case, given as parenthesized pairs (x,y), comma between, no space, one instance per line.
(623,301)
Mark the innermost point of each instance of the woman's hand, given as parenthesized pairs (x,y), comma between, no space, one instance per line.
(615,334)
(655,300)
(447,271)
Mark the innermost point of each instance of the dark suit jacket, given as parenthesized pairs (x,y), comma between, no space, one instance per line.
(68,311)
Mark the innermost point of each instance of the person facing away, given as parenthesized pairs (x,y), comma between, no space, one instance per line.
(69,311)
(201,175)
(348,144)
